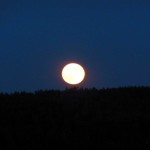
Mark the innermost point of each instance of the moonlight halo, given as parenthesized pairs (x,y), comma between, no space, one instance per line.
(73,73)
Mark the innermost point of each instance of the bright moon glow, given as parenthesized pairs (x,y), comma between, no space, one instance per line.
(73,73)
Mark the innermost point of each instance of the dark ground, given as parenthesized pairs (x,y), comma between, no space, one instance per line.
(116,119)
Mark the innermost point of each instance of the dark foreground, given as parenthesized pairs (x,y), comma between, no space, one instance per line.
(116,119)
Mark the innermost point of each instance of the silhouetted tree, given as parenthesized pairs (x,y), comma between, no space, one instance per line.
(76,118)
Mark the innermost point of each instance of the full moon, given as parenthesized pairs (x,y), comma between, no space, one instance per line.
(73,73)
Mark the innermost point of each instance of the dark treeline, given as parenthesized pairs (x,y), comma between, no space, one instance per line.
(76,118)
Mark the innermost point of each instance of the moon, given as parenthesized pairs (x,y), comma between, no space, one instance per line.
(73,73)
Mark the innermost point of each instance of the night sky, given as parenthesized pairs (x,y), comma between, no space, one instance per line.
(110,38)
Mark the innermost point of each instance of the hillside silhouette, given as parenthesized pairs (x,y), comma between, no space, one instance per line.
(76,118)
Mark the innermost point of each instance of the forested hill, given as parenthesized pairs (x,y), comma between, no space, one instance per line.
(76,118)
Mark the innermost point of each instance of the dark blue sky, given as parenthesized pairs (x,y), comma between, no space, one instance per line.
(110,38)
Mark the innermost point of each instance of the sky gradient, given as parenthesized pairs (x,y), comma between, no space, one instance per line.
(110,38)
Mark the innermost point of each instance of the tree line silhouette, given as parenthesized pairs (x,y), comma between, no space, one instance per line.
(76,118)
